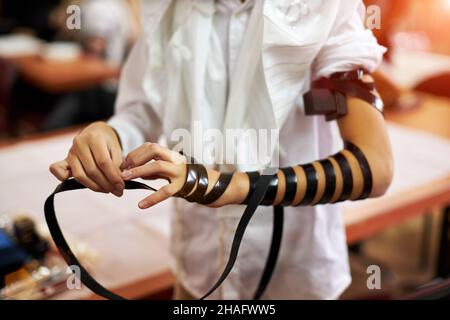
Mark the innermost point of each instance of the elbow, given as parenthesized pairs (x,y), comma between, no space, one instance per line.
(382,177)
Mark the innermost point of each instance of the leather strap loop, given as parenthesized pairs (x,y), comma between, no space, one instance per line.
(218,190)
(330,181)
(291,186)
(254,201)
(347,177)
(365,169)
(190,182)
(201,185)
(62,245)
(311,184)
(253,177)
(271,192)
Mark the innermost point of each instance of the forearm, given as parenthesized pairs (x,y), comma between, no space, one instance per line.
(347,175)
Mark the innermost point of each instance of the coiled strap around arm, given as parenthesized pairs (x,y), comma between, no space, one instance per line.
(218,190)
(365,169)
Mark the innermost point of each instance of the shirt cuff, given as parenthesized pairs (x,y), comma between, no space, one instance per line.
(129,136)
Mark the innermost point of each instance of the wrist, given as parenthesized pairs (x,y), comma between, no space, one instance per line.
(115,137)
(239,188)
(110,132)
(236,192)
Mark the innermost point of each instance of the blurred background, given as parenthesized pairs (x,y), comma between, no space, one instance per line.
(54,79)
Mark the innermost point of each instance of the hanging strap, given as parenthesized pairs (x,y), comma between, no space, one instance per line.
(277,235)
(254,201)
(63,246)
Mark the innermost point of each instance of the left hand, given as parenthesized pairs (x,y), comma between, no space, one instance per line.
(167,164)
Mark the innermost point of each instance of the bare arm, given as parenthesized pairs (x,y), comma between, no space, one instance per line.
(362,169)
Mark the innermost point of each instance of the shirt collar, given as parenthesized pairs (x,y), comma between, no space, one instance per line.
(234,6)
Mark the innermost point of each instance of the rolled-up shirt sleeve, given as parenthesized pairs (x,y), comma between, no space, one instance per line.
(350,44)
(135,121)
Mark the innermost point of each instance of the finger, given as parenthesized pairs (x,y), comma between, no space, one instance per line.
(92,170)
(156,178)
(80,176)
(162,194)
(61,170)
(151,151)
(155,168)
(105,163)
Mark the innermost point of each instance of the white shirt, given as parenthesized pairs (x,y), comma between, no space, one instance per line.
(313,262)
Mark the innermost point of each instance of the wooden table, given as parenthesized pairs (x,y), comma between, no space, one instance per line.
(432,116)
(59,77)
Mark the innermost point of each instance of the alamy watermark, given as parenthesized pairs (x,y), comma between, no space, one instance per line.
(373,15)
(210,146)
(73,281)
(73,21)
(374,280)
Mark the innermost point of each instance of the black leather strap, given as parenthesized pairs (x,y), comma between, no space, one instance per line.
(218,190)
(291,186)
(328,96)
(351,83)
(275,244)
(312,182)
(253,177)
(271,192)
(201,185)
(254,202)
(189,184)
(61,242)
(365,169)
(330,181)
(347,177)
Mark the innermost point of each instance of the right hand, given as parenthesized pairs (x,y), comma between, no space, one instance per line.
(94,160)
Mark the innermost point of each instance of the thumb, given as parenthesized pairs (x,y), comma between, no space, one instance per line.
(61,170)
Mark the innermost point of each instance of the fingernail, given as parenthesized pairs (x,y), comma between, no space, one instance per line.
(143,204)
(117,193)
(126,174)
(118,190)
(125,164)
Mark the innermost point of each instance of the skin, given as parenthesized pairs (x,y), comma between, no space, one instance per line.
(95,161)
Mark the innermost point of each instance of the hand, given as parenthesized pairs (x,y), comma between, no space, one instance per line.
(94,160)
(167,164)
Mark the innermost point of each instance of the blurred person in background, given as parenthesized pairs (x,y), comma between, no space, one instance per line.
(109,28)
(36,18)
